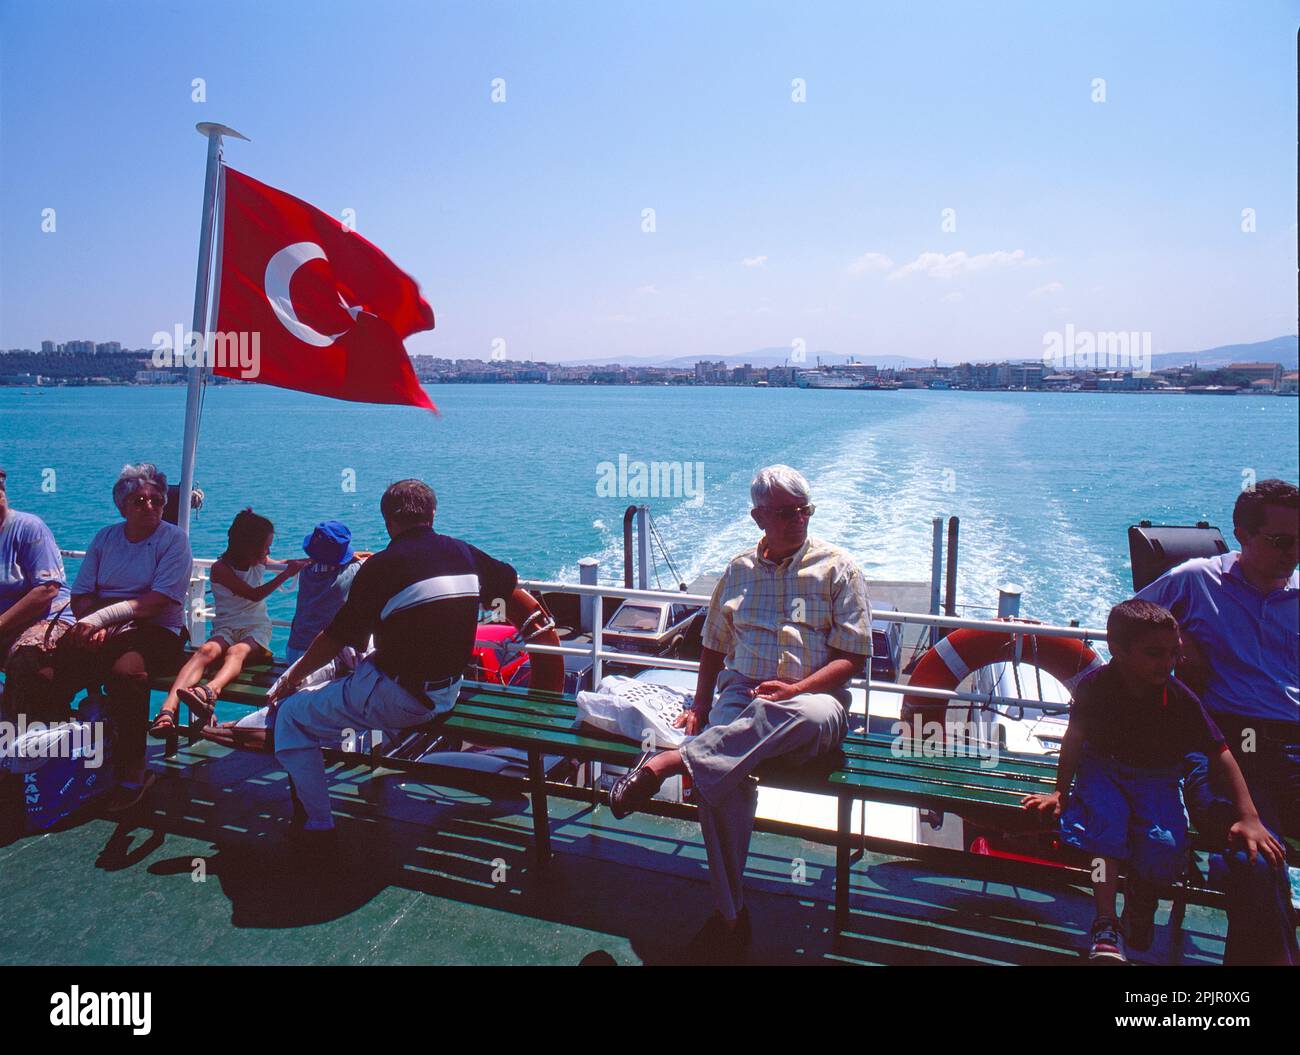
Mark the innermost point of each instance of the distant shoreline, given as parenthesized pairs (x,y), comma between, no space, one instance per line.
(666,384)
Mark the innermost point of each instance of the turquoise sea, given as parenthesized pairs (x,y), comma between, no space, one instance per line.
(1045,484)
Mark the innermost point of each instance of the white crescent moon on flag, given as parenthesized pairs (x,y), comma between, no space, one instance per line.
(280,270)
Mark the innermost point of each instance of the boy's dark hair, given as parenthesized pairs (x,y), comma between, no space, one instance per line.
(1131,620)
(412,501)
(247,533)
(3,476)
(1249,511)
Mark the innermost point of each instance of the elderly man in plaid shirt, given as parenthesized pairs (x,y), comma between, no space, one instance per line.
(788,625)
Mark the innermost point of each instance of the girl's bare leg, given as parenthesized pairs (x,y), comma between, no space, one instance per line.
(236,656)
(192,673)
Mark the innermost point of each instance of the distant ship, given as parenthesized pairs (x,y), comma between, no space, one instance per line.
(823,379)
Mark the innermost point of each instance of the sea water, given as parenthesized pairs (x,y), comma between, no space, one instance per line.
(1045,484)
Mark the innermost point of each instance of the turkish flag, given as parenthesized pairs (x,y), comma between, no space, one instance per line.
(326,310)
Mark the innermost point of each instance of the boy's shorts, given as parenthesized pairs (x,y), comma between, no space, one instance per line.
(1130,813)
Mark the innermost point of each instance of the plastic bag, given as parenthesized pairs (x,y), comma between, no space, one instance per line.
(635,709)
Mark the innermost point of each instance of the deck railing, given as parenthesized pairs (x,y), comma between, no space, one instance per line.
(198,614)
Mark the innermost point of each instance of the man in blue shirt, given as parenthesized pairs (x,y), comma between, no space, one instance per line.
(1240,619)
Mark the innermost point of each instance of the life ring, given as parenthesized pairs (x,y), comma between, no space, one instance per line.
(530,619)
(963,651)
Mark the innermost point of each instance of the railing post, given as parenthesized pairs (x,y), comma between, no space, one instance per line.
(936,574)
(643,547)
(195,621)
(950,587)
(588,569)
(1009,600)
(597,636)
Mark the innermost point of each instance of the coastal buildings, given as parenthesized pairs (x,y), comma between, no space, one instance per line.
(107,362)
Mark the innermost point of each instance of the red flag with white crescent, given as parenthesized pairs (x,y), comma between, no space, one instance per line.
(328,310)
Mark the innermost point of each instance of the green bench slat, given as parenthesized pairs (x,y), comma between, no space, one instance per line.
(527,738)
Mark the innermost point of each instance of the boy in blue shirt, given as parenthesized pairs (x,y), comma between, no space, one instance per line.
(1131,725)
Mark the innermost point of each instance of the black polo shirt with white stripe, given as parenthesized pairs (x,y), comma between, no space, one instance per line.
(420,597)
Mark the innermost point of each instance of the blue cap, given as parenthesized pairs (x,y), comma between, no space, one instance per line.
(329,543)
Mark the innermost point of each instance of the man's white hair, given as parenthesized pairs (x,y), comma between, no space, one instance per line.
(777,478)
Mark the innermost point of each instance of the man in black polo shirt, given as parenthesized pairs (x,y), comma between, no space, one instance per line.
(419,598)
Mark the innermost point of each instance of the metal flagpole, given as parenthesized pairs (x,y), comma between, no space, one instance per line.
(214,133)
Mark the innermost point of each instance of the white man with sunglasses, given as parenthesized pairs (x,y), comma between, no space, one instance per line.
(127,598)
(1239,614)
(788,625)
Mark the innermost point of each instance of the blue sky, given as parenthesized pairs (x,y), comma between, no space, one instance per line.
(774,220)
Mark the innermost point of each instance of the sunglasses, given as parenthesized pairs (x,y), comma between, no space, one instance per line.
(1283,542)
(157,501)
(790,512)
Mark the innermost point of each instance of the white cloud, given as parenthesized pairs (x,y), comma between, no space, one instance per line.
(952,298)
(870,262)
(647,289)
(753,261)
(951,265)
(1049,290)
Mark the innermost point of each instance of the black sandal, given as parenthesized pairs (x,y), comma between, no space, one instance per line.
(164,726)
(201,701)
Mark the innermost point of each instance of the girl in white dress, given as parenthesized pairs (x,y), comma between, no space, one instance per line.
(241,627)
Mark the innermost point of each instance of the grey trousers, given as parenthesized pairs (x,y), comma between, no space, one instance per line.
(743,733)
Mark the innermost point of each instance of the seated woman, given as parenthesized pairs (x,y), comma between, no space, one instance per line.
(241,626)
(33,595)
(128,599)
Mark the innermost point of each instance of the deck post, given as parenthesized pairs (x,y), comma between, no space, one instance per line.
(936,574)
(541,820)
(843,850)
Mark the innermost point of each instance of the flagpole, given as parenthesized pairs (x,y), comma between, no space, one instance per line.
(202,281)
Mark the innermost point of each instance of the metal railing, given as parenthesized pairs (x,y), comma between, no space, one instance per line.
(198,614)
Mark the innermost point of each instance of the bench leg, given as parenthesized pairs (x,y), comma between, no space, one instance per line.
(541,820)
(843,852)
(1178,911)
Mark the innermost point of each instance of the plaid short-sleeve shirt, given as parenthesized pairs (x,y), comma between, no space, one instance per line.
(781,620)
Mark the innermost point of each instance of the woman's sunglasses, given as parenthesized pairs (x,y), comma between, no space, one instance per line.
(140,501)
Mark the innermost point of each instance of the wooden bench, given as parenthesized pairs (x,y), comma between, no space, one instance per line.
(867,768)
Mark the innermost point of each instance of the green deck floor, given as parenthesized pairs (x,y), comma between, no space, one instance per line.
(414,883)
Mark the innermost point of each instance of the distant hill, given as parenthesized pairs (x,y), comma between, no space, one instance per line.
(1277,350)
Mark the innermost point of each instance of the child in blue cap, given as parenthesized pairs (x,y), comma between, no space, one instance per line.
(323,585)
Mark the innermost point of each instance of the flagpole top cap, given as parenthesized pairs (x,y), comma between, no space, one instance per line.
(208,129)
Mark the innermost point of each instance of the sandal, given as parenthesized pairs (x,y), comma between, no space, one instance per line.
(201,701)
(164,726)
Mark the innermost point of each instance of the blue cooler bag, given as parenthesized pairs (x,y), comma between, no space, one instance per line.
(61,766)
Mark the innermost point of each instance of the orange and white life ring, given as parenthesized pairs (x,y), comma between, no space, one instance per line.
(964,651)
